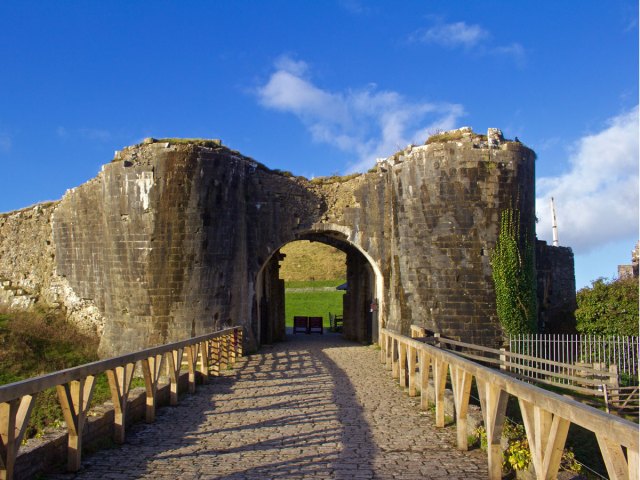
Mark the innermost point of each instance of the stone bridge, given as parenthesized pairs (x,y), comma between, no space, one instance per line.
(175,238)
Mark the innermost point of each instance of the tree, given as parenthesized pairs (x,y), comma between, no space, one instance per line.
(608,307)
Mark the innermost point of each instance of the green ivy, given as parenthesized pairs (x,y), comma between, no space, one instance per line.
(513,263)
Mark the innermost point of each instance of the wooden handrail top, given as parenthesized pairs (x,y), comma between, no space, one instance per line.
(547,373)
(507,353)
(623,431)
(30,386)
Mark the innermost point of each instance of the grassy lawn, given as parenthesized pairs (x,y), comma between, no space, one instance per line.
(313,303)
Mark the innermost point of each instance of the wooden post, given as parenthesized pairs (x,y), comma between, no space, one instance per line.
(389,354)
(224,352)
(439,383)
(204,361)
(75,398)
(214,363)
(425,361)
(151,368)
(493,402)
(192,361)
(461,385)
(395,367)
(412,371)
(382,341)
(120,383)
(402,361)
(240,337)
(14,417)
(174,365)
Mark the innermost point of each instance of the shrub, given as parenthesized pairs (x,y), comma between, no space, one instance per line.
(608,308)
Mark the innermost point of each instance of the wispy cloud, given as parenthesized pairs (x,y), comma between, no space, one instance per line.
(366,122)
(356,7)
(466,36)
(597,199)
(452,35)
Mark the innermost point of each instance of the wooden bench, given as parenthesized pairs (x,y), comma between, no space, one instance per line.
(315,325)
(300,324)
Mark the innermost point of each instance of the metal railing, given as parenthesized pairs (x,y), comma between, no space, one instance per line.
(601,351)
(205,354)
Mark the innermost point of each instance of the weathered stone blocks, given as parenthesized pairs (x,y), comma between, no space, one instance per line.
(177,238)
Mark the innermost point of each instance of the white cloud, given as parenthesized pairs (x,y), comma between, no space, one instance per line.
(463,35)
(368,122)
(453,35)
(597,199)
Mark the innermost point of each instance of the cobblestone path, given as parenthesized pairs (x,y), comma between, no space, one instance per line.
(313,407)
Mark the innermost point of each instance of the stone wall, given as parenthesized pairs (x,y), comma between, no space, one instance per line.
(28,273)
(171,239)
(556,289)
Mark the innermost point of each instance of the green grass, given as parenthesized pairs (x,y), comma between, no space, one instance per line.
(312,284)
(313,304)
(38,342)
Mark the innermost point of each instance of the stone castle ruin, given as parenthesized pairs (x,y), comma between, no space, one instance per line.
(175,238)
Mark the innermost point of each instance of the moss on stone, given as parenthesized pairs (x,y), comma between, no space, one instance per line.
(189,141)
(445,137)
(333,179)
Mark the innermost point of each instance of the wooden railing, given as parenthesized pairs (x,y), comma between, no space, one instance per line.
(546,415)
(596,387)
(205,354)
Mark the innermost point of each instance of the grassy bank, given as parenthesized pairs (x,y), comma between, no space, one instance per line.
(312,300)
(39,342)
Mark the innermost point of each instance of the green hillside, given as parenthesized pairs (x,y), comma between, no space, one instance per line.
(311,261)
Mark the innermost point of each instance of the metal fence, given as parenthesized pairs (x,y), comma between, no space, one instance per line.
(591,351)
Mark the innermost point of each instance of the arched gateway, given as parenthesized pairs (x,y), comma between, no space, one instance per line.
(176,238)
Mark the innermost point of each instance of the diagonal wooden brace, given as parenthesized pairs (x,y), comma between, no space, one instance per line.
(440,368)
(120,384)
(461,385)
(493,401)
(546,434)
(75,398)
(618,467)
(174,365)
(151,368)
(192,361)
(14,418)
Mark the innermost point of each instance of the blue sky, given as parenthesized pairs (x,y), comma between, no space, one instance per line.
(324,87)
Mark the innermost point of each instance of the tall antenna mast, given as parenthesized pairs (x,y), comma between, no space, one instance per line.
(554,223)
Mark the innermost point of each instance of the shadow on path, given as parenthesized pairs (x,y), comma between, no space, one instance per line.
(310,407)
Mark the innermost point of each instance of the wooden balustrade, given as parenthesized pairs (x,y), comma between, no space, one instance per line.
(75,388)
(546,415)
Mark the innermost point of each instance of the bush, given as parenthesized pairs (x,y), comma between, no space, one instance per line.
(608,308)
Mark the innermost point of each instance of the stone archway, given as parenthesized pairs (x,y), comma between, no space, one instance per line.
(360,302)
